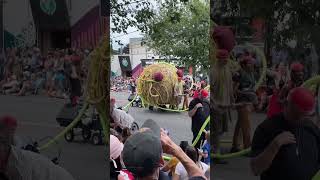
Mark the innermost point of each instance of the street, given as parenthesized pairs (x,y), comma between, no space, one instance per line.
(36,120)
(236,167)
(178,124)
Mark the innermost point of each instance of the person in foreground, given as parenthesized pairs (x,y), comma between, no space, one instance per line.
(18,164)
(142,154)
(287,146)
(199,111)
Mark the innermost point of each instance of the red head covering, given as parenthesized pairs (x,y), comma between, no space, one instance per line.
(224,38)
(180,73)
(302,98)
(8,123)
(204,93)
(158,76)
(296,67)
(222,54)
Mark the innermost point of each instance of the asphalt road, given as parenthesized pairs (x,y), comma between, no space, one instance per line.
(36,118)
(237,168)
(179,125)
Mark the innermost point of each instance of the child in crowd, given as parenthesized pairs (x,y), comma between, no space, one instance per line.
(206,149)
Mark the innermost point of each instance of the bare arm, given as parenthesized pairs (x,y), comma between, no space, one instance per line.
(193,111)
(175,176)
(170,147)
(263,161)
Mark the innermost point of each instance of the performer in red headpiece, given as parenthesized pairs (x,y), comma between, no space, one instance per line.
(296,80)
(221,83)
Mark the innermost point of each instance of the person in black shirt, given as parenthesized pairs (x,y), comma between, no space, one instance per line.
(287,146)
(199,111)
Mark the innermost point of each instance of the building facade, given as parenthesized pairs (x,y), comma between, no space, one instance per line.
(138,52)
(53,23)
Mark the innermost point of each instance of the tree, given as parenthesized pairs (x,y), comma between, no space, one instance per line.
(137,13)
(182,31)
(285,21)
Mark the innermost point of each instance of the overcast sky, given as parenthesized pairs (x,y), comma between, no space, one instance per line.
(132,32)
(124,38)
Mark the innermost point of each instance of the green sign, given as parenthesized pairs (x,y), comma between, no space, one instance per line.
(125,62)
(48,6)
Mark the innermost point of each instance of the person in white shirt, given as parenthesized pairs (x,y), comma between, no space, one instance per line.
(181,173)
(120,118)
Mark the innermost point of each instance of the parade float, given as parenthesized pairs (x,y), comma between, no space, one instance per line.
(156,84)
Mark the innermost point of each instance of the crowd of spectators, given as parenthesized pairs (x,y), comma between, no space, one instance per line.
(56,73)
(140,156)
(120,83)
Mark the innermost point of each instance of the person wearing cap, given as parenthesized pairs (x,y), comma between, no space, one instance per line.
(246,98)
(222,97)
(199,111)
(16,163)
(142,154)
(287,146)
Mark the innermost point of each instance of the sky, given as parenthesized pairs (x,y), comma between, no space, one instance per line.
(124,38)
(132,33)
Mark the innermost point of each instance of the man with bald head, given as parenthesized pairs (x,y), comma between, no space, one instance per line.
(18,164)
(287,146)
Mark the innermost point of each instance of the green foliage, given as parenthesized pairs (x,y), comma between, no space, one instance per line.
(130,13)
(182,31)
(137,13)
(302,25)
